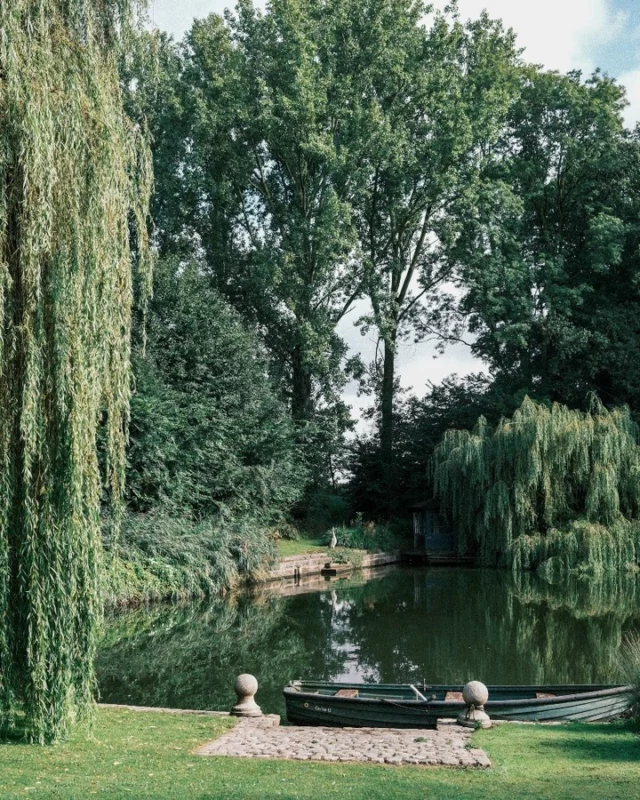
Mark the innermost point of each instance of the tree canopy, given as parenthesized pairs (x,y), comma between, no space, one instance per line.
(323,149)
(547,487)
(74,173)
(550,255)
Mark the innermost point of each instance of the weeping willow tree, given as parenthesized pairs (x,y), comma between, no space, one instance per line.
(74,184)
(550,488)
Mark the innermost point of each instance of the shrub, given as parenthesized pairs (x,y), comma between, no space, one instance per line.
(362,535)
(161,558)
(208,433)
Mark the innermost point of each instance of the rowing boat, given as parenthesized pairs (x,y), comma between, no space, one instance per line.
(421,706)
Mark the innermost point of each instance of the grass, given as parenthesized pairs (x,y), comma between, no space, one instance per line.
(149,755)
(297,547)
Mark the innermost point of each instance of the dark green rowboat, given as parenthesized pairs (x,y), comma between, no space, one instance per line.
(360,705)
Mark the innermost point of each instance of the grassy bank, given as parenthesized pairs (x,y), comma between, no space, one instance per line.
(149,755)
(360,535)
(297,547)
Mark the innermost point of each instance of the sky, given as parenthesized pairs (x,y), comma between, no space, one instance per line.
(558,34)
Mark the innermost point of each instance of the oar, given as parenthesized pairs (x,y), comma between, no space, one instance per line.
(419,695)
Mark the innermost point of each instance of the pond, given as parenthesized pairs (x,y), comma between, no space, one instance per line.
(396,625)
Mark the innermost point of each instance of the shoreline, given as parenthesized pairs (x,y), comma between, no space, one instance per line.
(288,571)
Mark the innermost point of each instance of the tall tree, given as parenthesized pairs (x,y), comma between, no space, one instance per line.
(245,151)
(73,173)
(549,484)
(550,255)
(272,98)
(151,77)
(431,102)
(325,144)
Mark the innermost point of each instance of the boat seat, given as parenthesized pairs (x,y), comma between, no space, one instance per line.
(346,693)
(451,696)
(544,696)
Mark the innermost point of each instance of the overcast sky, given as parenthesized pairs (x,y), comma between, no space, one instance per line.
(559,34)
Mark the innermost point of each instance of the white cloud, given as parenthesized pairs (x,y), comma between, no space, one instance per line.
(632,82)
(559,34)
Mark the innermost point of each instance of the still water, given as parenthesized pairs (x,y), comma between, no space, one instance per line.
(400,625)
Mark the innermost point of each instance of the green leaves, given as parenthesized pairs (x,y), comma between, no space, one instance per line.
(429,103)
(75,174)
(548,253)
(209,436)
(549,483)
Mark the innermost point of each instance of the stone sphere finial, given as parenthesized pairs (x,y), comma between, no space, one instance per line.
(245,688)
(475,694)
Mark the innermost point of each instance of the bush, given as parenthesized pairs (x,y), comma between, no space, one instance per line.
(324,509)
(208,433)
(161,558)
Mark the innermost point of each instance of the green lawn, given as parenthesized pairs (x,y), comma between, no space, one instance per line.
(149,755)
(291,547)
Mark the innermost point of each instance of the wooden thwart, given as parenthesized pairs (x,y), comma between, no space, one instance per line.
(346,693)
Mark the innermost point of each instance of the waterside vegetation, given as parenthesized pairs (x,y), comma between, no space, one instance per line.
(550,488)
(76,180)
(163,558)
(163,429)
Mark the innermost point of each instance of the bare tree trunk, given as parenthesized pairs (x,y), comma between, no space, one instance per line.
(386,403)
(301,394)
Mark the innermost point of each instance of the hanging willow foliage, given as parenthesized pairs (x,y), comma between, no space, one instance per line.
(550,488)
(74,174)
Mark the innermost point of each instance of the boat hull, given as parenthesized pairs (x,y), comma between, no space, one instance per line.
(392,707)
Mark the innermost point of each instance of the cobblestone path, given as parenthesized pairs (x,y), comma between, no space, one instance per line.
(264,738)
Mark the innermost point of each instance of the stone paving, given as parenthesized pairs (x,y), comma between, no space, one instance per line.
(263,737)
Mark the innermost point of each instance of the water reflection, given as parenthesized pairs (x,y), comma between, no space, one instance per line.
(445,626)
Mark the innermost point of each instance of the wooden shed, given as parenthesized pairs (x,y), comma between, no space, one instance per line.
(434,537)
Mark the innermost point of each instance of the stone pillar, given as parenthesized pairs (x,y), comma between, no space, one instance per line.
(245,688)
(475,695)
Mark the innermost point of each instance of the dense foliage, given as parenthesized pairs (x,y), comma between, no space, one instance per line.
(74,175)
(549,488)
(209,436)
(418,140)
(549,257)
(419,425)
(213,460)
(159,557)
(313,156)
(545,256)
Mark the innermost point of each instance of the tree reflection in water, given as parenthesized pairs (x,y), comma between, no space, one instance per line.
(443,626)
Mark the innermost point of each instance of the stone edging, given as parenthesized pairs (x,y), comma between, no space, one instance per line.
(307,564)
